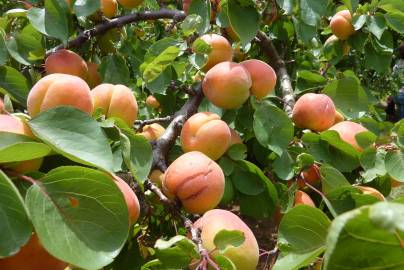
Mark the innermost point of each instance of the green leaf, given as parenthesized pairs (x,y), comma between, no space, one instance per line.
(304,31)
(248,179)
(15,225)
(295,261)
(225,238)
(114,69)
(80,216)
(391,5)
(86,7)
(272,127)
(14,147)
(376,24)
(365,232)
(57,19)
(201,8)
(3,49)
(332,179)
(309,11)
(244,20)
(160,63)
(365,139)
(75,135)
(283,166)
(351,4)
(287,5)
(395,165)
(177,252)
(191,24)
(372,162)
(303,229)
(13,83)
(348,96)
(224,262)
(375,60)
(237,151)
(396,21)
(311,76)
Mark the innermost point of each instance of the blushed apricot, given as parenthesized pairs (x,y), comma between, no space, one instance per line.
(227,85)
(347,131)
(152,102)
(130,198)
(333,39)
(94,77)
(207,133)
(153,132)
(235,137)
(66,62)
(372,192)
(341,25)
(311,176)
(221,50)
(109,8)
(246,255)
(130,3)
(115,101)
(263,77)
(314,111)
(303,198)
(59,90)
(196,180)
(32,256)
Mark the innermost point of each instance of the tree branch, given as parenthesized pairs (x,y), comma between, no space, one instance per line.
(279,65)
(141,123)
(163,145)
(176,15)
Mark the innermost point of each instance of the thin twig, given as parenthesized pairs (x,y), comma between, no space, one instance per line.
(141,123)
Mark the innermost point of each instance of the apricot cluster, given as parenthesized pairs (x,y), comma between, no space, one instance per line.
(341,25)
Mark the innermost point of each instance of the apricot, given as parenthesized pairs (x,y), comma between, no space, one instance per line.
(1,106)
(152,102)
(196,180)
(263,77)
(347,131)
(157,177)
(59,90)
(130,198)
(311,176)
(153,132)
(314,111)
(109,8)
(227,85)
(235,137)
(246,255)
(94,77)
(338,117)
(32,256)
(303,198)
(115,101)
(395,183)
(130,3)
(15,125)
(66,62)
(333,39)
(341,25)
(221,50)
(207,133)
(371,191)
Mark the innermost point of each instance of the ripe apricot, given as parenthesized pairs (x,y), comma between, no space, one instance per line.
(341,25)
(109,8)
(221,50)
(1,106)
(311,176)
(333,39)
(196,180)
(94,77)
(395,182)
(153,132)
(207,133)
(66,62)
(347,131)
(263,77)
(371,191)
(115,101)
(244,256)
(130,3)
(59,90)
(130,198)
(314,111)
(152,102)
(235,137)
(32,256)
(338,117)
(227,85)
(303,198)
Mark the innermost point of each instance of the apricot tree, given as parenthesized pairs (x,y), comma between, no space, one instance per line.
(200,134)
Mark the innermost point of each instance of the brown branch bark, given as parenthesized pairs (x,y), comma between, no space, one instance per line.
(176,15)
(280,67)
(141,123)
(163,145)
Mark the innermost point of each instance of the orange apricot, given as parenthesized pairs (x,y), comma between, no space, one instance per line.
(227,85)
(196,180)
(314,111)
(115,101)
(333,39)
(66,62)
(338,117)
(129,4)
(152,102)
(303,198)
(59,90)
(94,77)
(244,256)
(153,132)
(347,131)
(263,77)
(130,198)
(109,8)
(341,25)
(207,133)
(311,176)
(235,137)
(221,50)
(371,191)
